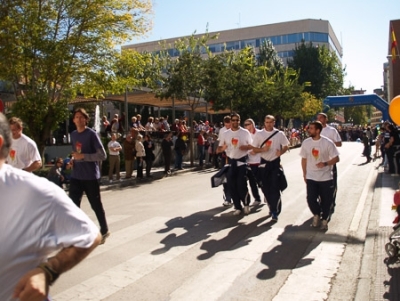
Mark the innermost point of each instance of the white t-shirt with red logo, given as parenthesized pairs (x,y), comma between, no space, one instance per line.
(276,143)
(316,151)
(23,152)
(235,139)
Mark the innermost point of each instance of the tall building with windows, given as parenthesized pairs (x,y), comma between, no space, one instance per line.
(284,37)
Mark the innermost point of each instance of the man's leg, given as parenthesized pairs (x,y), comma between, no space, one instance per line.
(112,161)
(272,192)
(325,193)
(117,167)
(252,171)
(241,183)
(92,190)
(232,186)
(313,197)
(334,190)
(75,191)
(128,169)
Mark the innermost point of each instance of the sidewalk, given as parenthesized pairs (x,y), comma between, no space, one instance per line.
(157,173)
(386,286)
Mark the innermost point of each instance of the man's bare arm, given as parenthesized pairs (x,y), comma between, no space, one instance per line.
(34,284)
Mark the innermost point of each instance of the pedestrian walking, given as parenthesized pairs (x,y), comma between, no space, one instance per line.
(318,155)
(37,219)
(253,162)
(87,152)
(223,160)
(236,143)
(332,134)
(24,153)
(271,144)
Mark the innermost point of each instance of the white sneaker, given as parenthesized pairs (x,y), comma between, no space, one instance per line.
(227,204)
(246,210)
(324,224)
(315,221)
(237,212)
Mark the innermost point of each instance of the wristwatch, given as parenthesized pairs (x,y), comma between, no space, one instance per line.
(325,163)
(51,275)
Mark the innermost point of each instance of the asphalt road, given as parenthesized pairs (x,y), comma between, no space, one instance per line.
(173,240)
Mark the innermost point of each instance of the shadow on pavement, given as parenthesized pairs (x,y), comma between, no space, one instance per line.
(296,243)
(198,227)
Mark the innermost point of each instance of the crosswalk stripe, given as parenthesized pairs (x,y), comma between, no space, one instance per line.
(130,233)
(228,265)
(313,281)
(120,276)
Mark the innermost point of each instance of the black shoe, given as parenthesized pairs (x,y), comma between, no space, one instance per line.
(104,237)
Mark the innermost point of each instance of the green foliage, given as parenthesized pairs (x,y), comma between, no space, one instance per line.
(356,115)
(320,67)
(268,57)
(185,78)
(50,50)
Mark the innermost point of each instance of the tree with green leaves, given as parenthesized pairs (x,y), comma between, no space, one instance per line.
(50,50)
(320,67)
(268,57)
(185,76)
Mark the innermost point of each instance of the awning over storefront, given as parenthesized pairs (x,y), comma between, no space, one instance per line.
(144,98)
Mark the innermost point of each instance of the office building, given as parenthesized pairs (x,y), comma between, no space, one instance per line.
(284,36)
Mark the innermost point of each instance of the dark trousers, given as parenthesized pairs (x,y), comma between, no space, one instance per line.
(237,185)
(167,163)
(149,165)
(227,194)
(396,160)
(270,184)
(178,158)
(139,169)
(334,191)
(200,149)
(251,172)
(319,197)
(92,191)
(390,155)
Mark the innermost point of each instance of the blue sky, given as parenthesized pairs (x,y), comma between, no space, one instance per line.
(362,26)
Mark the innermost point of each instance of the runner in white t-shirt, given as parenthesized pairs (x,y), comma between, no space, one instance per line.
(235,142)
(332,134)
(318,154)
(37,219)
(223,158)
(24,153)
(271,151)
(253,163)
